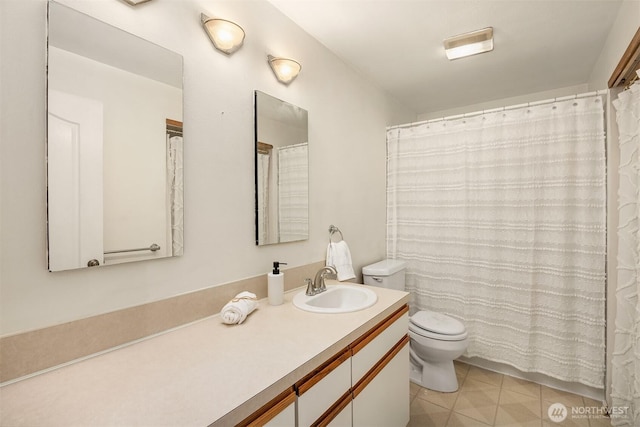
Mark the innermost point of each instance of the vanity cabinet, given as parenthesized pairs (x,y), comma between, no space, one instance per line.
(364,385)
(367,384)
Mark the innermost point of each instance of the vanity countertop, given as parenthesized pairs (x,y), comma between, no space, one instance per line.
(198,374)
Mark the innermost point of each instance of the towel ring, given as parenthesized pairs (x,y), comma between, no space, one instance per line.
(332,230)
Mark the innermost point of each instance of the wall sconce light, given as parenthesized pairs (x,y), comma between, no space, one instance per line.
(286,70)
(225,35)
(468,44)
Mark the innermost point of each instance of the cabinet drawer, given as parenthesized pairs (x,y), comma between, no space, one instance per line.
(322,388)
(279,412)
(371,347)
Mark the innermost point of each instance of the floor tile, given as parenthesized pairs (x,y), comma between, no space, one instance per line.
(458,420)
(414,389)
(518,409)
(527,403)
(600,421)
(592,402)
(521,386)
(552,395)
(426,414)
(487,398)
(446,400)
(485,376)
(461,369)
(505,417)
(479,404)
(474,385)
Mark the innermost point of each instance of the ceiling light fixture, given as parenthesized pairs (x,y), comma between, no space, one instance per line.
(468,44)
(225,35)
(135,2)
(286,70)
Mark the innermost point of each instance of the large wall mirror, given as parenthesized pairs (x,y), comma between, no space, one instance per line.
(114,145)
(282,171)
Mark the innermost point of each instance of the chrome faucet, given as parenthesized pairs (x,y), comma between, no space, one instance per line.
(317,285)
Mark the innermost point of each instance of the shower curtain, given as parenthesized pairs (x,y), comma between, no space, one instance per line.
(293,195)
(501,218)
(175,189)
(263,197)
(625,390)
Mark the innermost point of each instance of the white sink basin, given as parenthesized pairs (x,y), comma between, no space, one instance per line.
(337,299)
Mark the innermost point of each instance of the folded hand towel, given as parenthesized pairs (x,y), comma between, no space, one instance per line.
(338,256)
(236,310)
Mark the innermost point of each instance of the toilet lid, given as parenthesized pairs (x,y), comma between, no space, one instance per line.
(437,322)
(415,331)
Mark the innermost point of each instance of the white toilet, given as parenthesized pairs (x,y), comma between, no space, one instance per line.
(436,339)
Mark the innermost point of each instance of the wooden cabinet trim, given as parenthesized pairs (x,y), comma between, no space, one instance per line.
(624,73)
(270,410)
(321,371)
(365,339)
(335,409)
(371,374)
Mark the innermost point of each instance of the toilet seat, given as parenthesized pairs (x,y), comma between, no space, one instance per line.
(438,326)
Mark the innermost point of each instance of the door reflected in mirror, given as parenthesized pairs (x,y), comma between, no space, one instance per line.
(114,145)
(282,171)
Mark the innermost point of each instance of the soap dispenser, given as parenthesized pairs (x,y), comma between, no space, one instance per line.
(275,284)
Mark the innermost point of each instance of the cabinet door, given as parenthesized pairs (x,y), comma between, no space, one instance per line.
(319,391)
(339,415)
(381,398)
(286,418)
(372,347)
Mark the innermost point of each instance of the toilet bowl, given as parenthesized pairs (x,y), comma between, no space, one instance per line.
(436,339)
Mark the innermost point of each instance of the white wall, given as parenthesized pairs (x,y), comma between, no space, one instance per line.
(506,102)
(347,120)
(624,28)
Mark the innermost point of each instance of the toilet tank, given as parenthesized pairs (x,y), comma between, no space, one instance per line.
(388,273)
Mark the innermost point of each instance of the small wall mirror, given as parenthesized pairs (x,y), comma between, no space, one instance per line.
(282,171)
(114,145)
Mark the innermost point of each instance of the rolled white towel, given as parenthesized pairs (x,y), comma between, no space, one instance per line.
(236,310)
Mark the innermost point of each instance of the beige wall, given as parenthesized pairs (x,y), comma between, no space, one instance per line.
(347,120)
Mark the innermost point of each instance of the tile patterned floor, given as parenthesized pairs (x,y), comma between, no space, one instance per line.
(487,398)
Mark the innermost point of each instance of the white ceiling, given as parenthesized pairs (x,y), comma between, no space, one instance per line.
(538,45)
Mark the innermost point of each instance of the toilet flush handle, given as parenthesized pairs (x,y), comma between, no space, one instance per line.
(377,279)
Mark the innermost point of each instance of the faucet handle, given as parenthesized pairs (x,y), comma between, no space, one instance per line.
(310,288)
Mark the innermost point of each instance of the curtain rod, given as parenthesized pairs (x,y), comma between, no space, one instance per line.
(495,110)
